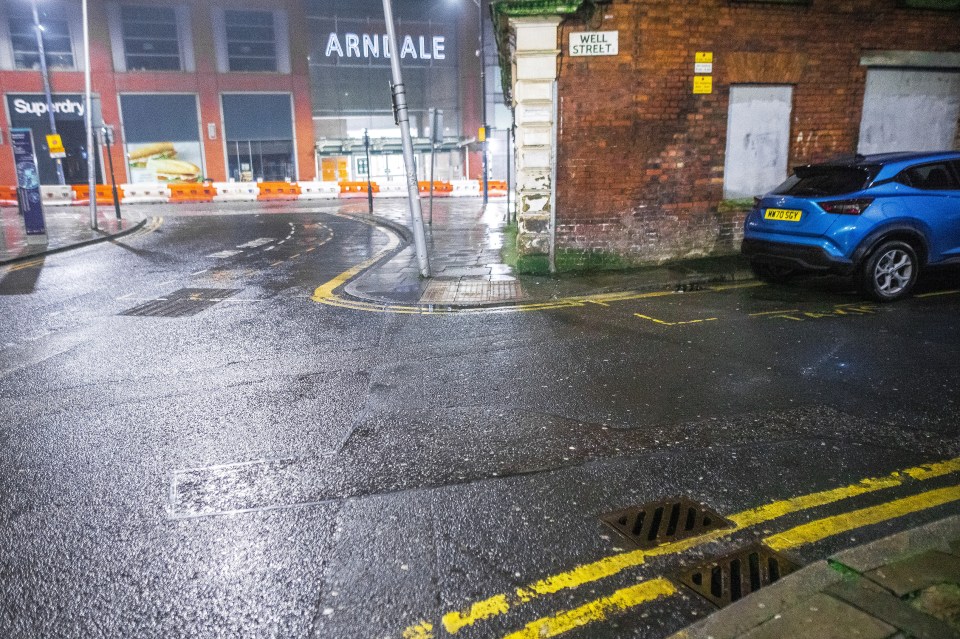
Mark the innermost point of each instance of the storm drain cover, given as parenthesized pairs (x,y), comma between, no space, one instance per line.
(661,522)
(182,303)
(735,576)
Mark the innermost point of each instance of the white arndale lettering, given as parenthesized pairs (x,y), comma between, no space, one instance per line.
(372,46)
(39,107)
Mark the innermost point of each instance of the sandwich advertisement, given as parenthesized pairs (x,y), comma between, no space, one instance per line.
(165,162)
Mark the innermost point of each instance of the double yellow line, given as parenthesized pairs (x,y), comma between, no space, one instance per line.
(564,621)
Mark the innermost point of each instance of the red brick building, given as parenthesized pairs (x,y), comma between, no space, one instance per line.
(222,86)
(631,151)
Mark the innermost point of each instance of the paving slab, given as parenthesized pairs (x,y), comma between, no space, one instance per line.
(892,610)
(822,617)
(942,602)
(918,572)
(890,549)
(67,227)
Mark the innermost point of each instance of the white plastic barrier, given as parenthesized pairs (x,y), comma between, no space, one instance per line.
(236,191)
(392,189)
(465,188)
(57,195)
(319,190)
(146,193)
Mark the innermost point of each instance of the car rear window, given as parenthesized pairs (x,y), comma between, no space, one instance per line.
(820,181)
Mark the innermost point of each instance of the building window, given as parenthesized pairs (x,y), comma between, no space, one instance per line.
(56,42)
(251,40)
(150,38)
(943,5)
(258,129)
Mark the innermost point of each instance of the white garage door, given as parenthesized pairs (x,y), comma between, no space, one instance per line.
(909,110)
(758,139)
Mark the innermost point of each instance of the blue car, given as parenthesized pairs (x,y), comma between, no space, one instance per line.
(882,218)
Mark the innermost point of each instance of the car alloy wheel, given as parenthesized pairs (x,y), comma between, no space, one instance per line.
(891,271)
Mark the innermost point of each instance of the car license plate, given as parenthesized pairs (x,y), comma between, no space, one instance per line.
(783,215)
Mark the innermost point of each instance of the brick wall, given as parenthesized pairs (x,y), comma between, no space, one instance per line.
(640,158)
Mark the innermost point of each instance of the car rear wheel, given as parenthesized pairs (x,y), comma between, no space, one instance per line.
(890,272)
(773,273)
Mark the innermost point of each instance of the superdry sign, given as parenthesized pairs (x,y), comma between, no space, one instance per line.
(65,107)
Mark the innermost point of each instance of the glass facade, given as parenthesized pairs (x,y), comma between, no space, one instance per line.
(259,132)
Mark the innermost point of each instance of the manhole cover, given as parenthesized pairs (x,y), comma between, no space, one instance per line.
(660,522)
(182,303)
(737,575)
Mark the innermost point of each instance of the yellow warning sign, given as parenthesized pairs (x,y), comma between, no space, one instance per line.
(55,144)
(702,84)
(704,56)
(482,134)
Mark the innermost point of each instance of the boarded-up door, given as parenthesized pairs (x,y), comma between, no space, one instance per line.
(758,139)
(909,110)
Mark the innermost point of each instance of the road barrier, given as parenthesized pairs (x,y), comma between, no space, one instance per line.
(192,192)
(357,189)
(175,192)
(58,195)
(146,193)
(236,191)
(279,191)
(103,193)
(319,190)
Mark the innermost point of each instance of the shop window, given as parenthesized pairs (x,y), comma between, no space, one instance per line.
(942,5)
(150,38)
(258,128)
(56,42)
(251,40)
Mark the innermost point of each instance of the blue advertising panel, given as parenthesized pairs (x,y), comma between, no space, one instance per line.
(28,181)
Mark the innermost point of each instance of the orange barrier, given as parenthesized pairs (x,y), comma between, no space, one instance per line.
(104,193)
(357,189)
(191,192)
(440,189)
(8,193)
(497,187)
(278,191)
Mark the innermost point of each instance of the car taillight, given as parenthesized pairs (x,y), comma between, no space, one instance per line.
(847,207)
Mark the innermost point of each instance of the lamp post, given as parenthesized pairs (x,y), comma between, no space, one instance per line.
(88,112)
(483,100)
(45,73)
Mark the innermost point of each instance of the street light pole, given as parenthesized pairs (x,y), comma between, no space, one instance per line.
(409,162)
(45,73)
(483,102)
(88,112)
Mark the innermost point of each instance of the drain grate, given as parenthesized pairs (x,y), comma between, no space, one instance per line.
(737,575)
(660,522)
(182,303)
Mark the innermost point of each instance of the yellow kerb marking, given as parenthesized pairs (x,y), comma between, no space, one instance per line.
(423,630)
(614,564)
(937,293)
(597,610)
(823,528)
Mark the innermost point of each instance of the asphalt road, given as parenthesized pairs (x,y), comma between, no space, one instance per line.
(261,465)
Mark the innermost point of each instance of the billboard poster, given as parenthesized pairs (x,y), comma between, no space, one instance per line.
(28,183)
(161,132)
(165,162)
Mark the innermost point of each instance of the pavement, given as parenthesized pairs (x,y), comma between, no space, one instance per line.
(67,228)
(906,585)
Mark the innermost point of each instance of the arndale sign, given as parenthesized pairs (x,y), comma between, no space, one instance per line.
(374,46)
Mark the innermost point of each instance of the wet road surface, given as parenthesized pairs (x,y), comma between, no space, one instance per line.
(192,446)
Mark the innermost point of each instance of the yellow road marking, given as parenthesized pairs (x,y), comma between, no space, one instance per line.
(665,323)
(422,630)
(799,536)
(791,310)
(597,610)
(935,294)
(608,566)
(821,529)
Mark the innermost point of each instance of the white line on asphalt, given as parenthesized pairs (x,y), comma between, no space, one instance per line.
(165,283)
(260,241)
(223,254)
(199,272)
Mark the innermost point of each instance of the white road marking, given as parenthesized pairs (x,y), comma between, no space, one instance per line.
(199,272)
(223,254)
(260,241)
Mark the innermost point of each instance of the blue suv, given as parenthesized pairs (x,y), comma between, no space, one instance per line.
(879,217)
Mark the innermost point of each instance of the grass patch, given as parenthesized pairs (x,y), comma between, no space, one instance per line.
(508,254)
(741,205)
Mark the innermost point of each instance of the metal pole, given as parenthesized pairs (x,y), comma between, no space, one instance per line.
(433,157)
(88,112)
(108,138)
(483,103)
(403,119)
(45,73)
(509,153)
(366,150)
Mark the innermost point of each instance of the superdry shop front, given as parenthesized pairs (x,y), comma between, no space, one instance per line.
(29,110)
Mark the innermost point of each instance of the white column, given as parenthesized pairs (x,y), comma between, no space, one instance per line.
(534,75)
